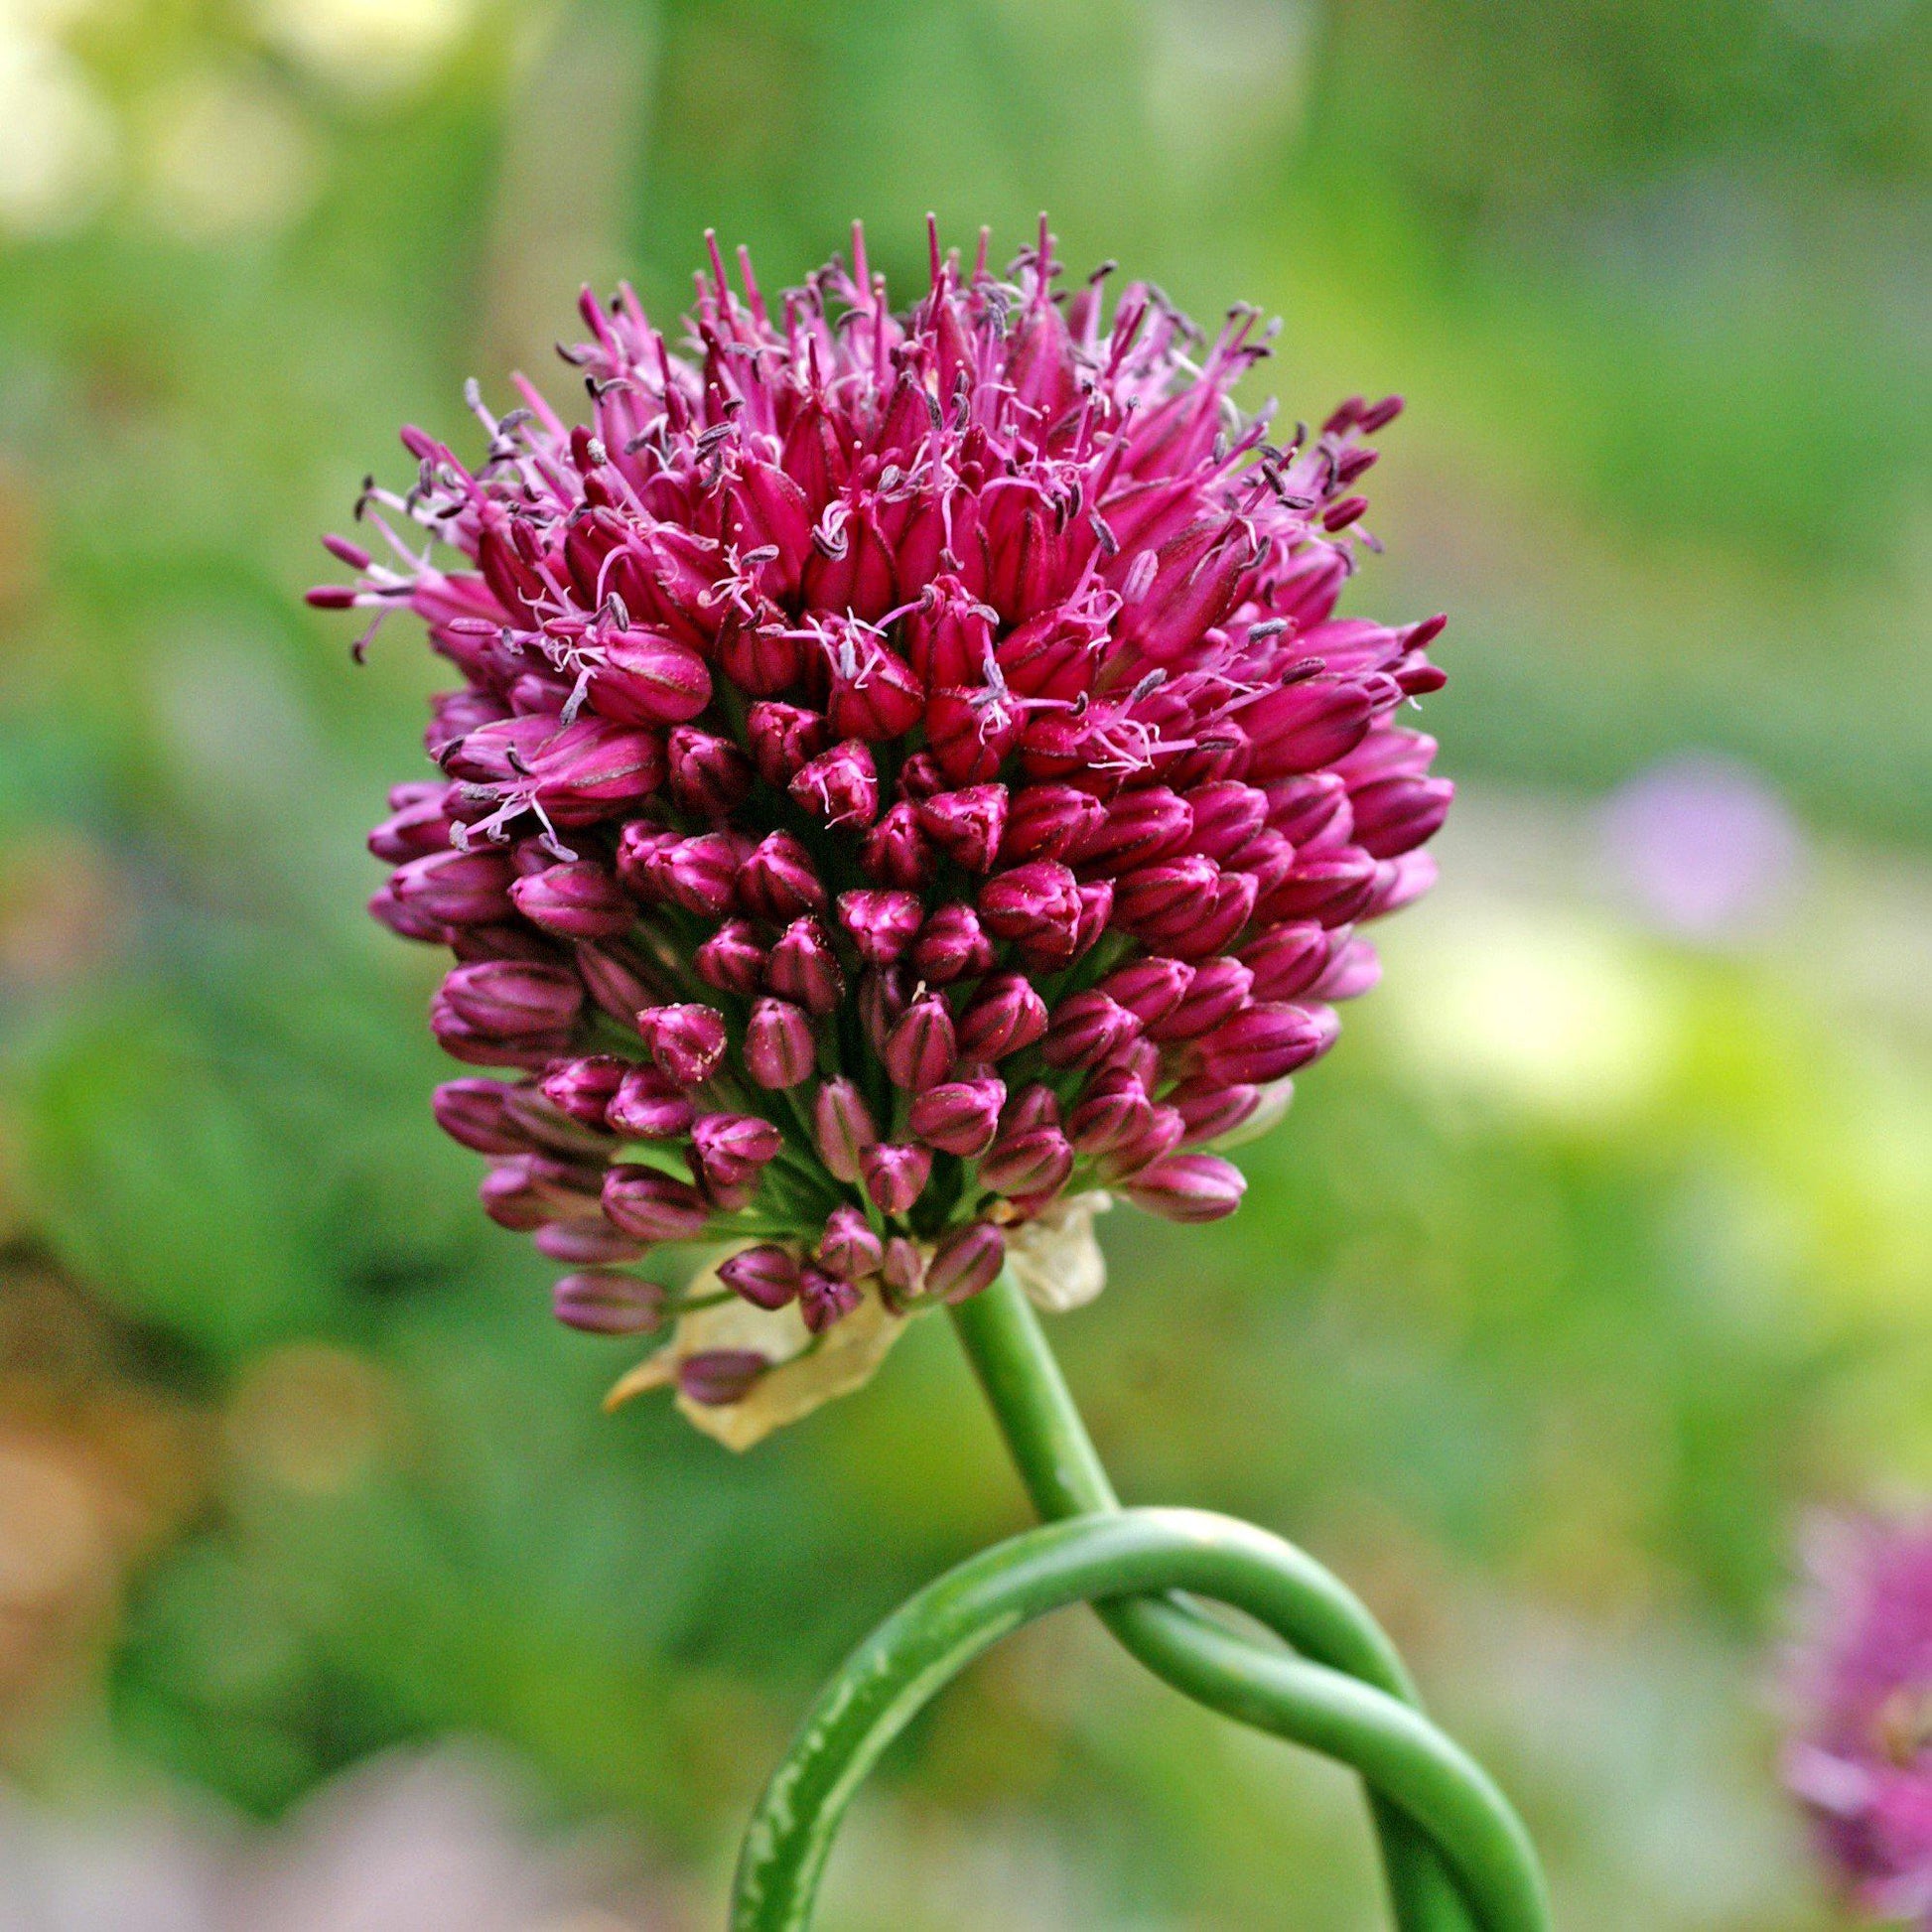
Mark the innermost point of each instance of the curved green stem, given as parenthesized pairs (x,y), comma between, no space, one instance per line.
(1063,1476)
(1457,1855)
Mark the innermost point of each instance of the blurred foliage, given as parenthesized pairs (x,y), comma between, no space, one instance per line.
(1588,1261)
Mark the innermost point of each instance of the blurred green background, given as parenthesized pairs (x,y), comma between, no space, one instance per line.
(1598,1252)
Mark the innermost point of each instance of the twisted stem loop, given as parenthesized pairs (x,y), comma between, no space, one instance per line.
(1457,1858)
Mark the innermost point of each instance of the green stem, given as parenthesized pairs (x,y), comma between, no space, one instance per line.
(1458,1859)
(1063,1476)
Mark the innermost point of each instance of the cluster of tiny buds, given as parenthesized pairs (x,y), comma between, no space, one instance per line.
(906,769)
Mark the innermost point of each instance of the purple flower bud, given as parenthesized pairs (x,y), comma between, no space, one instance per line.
(648,1107)
(1174,895)
(731,961)
(1267,858)
(841,786)
(967,825)
(1033,1106)
(1227,912)
(779,1047)
(710,777)
(1163,1133)
(881,923)
(1140,827)
(1353,971)
(1187,1187)
(639,846)
(894,1175)
(824,1298)
(618,978)
(594,768)
(967,738)
(920,779)
(849,1248)
(783,738)
(766,1276)
(884,702)
(471,1112)
(1088,1028)
(1302,726)
(1037,900)
(779,880)
(1033,1161)
(965,1260)
(843,1127)
(1096,910)
(586,1244)
(1286,960)
(653,1206)
(603,1301)
(510,999)
(456,888)
(1211,1108)
(1113,1109)
(1047,821)
(645,679)
(1006,1015)
(715,1378)
(408,922)
(1226,816)
(959,1115)
(1150,988)
(804,967)
(920,1048)
(546,1129)
(951,946)
(418,826)
(685,1042)
(1333,888)
(700,874)
(1267,1041)
(897,852)
(528,1189)
(1219,991)
(733,1149)
(579,900)
(1311,811)
(583,1088)
(475,1046)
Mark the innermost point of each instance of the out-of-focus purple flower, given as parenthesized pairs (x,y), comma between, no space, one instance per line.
(1704,845)
(1859,1755)
(864,716)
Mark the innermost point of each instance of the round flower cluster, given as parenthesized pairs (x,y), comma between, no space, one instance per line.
(907,773)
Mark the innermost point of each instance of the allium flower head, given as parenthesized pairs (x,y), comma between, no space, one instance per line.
(1860,1757)
(907,767)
